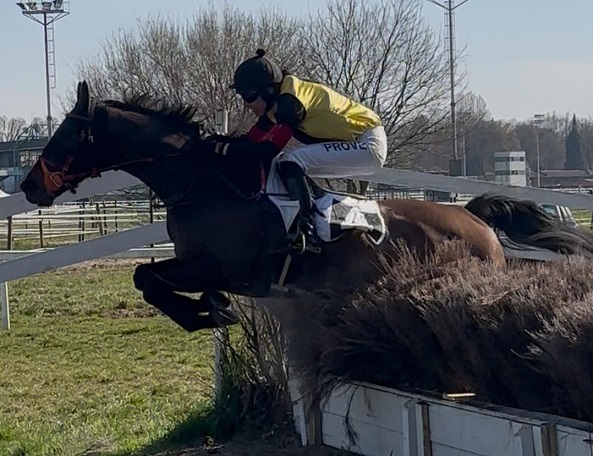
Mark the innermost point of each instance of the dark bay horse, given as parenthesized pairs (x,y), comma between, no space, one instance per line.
(228,236)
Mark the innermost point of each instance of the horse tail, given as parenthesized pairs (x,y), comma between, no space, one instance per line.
(527,224)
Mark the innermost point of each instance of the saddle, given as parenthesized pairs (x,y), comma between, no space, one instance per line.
(336,213)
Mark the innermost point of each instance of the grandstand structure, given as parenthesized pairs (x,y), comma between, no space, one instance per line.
(18,156)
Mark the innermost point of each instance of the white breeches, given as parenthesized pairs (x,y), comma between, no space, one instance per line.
(337,159)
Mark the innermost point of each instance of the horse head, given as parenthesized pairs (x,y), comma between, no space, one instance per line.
(97,136)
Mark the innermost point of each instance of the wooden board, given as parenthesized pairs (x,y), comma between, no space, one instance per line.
(385,421)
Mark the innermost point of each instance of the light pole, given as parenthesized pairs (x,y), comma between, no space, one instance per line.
(46,13)
(449,7)
(538,119)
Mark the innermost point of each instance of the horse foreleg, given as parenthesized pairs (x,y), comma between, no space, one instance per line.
(159,283)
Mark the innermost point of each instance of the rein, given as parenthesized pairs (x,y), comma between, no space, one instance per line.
(256,196)
(56,180)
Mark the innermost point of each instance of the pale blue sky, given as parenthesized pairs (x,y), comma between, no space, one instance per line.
(523,56)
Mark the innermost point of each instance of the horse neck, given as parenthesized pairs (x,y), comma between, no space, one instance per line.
(171,179)
(160,167)
(133,141)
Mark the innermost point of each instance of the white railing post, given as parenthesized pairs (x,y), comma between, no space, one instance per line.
(220,335)
(5,306)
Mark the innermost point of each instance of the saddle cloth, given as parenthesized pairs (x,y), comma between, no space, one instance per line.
(336,212)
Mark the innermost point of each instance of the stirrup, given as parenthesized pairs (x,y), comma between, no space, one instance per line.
(299,244)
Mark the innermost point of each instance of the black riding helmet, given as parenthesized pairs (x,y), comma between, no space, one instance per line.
(257,76)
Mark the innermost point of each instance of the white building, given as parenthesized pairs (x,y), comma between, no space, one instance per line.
(510,168)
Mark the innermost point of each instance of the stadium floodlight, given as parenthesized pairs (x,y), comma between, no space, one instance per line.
(49,13)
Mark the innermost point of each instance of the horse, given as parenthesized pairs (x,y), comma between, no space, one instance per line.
(228,235)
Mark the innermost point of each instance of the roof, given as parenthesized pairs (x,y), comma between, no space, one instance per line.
(29,144)
(565,173)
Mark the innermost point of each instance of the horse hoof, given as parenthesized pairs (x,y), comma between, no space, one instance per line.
(224,317)
(215,300)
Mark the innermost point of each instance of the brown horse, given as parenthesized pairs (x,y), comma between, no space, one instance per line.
(228,236)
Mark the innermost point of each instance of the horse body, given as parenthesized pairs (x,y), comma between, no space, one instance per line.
(228,236)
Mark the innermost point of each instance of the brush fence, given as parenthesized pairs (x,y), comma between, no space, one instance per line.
(374,421)
(388,423)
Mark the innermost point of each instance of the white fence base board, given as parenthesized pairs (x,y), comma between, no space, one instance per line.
(384,421)
(87,250)
(111,181)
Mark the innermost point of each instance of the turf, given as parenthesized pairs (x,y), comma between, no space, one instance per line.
(88,368)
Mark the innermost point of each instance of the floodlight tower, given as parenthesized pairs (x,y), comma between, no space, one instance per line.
(46,13)
(450,7)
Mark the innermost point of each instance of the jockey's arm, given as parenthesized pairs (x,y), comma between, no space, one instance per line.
(255,134)
(266,143)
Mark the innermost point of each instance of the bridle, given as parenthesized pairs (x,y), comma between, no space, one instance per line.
(57,180)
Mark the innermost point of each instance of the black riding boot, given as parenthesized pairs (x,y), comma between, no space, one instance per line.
(298,188)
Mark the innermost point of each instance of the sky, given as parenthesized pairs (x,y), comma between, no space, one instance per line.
(522,56)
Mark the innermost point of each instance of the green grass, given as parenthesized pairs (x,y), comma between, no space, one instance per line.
(582,216)
(88,365)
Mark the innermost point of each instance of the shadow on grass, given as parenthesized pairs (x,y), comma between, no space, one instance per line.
(253,401)
(215,423)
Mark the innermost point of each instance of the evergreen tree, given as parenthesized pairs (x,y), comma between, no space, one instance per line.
(573,147)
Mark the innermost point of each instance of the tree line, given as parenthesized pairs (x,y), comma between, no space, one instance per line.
(383,54)
(565,141)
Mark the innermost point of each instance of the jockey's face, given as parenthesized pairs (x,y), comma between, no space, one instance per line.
(258,106)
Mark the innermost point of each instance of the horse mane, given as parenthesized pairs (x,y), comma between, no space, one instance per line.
(142,103)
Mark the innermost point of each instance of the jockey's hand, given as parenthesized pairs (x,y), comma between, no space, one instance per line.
(215,147)
(217,137)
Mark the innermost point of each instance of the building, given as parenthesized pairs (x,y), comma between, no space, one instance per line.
(563,178)
(16,159)
(510,168)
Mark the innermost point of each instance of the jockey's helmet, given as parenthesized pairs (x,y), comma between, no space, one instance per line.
(257,76)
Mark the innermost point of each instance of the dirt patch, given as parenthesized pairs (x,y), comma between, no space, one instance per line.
(277,445)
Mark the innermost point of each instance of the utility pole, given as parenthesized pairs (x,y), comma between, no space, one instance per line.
(538,119)
(450,7)
(46,13)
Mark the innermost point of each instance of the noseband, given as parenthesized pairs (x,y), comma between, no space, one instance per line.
(55,181)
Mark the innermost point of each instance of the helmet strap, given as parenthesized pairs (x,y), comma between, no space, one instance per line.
(269,95)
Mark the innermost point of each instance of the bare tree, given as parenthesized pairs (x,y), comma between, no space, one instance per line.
(386,56)
(471,110)
(219,40)
(192,62)
(11,128)
(559,124)
(488,137)
(551,145)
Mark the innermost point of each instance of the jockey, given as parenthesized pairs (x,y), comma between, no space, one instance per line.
(340,137)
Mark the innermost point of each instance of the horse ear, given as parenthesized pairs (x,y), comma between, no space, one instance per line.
(83,99)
